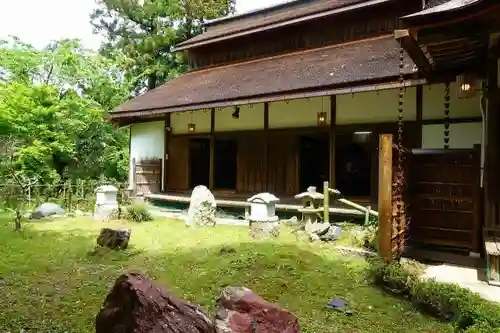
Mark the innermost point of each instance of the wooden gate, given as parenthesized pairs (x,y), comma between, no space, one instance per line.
(148,176)
(444,198)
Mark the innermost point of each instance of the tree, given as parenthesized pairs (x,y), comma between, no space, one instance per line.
(146,30)
(53,103)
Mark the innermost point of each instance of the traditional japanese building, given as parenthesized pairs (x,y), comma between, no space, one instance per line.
(292,95)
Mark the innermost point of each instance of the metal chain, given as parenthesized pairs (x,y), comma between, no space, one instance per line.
(399,177)
(447,115)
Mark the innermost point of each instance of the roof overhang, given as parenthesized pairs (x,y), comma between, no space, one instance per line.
(126,118)
(331,70)
(451,38)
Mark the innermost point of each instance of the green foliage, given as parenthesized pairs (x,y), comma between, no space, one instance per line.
(53,279)
(146,31)
(467,310)
(138,213)
(53,105)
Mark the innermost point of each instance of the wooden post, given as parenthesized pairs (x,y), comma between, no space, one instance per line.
(167,133)
(326,203)
(266,145)
(420,117)
(492,158)
(385,197)
(134,177)
(333,125)
(211,181)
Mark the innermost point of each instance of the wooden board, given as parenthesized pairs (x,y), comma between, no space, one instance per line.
(148,176)
(178,168)
(444,198)
(283,175)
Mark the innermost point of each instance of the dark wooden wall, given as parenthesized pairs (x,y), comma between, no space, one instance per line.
(250,176)
(282,175)
(336,29)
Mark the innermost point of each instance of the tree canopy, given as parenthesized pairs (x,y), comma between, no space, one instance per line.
(53,105)
(54,101)
(146,31)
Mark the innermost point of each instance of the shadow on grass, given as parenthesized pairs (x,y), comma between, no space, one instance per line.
(55,281)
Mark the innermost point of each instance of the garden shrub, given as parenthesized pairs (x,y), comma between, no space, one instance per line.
(138,213)
(449,302)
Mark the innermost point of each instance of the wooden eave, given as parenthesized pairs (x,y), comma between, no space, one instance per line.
(452,41)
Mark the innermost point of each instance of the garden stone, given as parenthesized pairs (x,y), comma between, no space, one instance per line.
(332,234)
(202,208)
(47,209)
(239,310)
(137,304)
(106,205)
(78,212)
(114,238)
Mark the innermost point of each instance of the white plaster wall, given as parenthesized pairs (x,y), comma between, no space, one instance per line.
(433,104)
(179,121)
(463,135)
(147,140)
(251,117)
(298,112)
(375,107)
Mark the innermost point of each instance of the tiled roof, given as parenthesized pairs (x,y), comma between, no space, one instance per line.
(333,66)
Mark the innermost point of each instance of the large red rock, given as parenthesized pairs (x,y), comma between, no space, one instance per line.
(137,304)
(239,310)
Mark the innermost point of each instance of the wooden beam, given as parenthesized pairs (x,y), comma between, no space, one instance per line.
(385,197)
(211,180)
(414,51)
(333,133)
(266,145)
(166,145)
(492,158)
(420,115)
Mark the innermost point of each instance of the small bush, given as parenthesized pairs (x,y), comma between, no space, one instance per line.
(138,213)
(467,310)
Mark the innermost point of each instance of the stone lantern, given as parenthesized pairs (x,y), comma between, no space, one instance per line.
(312,208)
(262,219)
(106,204)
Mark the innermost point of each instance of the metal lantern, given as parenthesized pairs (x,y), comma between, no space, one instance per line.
(466,86)
(321,118)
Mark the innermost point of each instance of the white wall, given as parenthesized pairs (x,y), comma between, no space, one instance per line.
(463,135)
(433,105)
(147,140)
(298,112)
(358,108)
(375,107)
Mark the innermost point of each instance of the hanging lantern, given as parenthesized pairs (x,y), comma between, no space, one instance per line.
(321,118)
(191,125)
(466,86)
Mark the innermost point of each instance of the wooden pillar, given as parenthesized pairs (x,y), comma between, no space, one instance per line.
(333,133)
(385,197)
(420,116)
(492,158)
(211,181)
(166,145)
(266,146)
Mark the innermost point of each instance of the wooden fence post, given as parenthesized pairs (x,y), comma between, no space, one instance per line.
(385,197)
